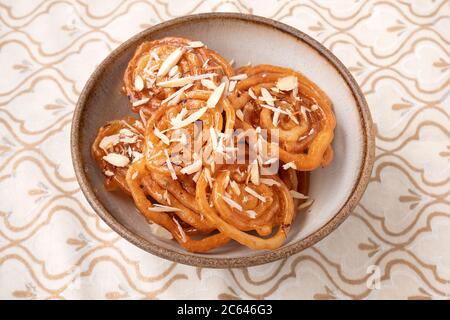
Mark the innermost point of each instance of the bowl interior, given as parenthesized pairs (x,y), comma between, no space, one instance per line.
(243,41)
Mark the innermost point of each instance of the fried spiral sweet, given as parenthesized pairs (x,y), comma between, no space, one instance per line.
(157,67)
(117,144)
(190,172)
(279,98)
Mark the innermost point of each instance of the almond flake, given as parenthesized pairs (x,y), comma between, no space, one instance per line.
(177,124)
(195,44)
(207,83)
(109,141)
(254,173)
(116,159)
(232,86)
(161,136)
(251,93)
(160,232)
(170,61)
(226,181)
(270,182)
(234,186)
(297,195)
(241,76)
(267,97)
(275,89)
(232,203)
(162,208)
(276,117)
(180,230)
(314,107)
(173,71)
(274,109)
(231,62)
(287,83)
(289,165)
(175,97)
(170,166)
(108,173)
(215,96)
(142,116)
(138,83)
(179,82)
(192,168)
(140,102)
(240,114)
(137,156)
(251,214)
(196,176)
(154,55)
(305,204)
(254,193)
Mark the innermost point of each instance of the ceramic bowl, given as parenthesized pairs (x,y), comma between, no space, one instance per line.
(244,38)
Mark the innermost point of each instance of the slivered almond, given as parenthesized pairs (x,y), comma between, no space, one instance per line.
(179,82)
(190,119)
(234,186)
(192,168)
(108,173)
(232,203)
(170,61)
(314,107)
(138,83)
(109,141)
(180,230)
(170,166)
(269,182)
(232,85)
(136,156)
(251,214)
(254,172)
(140,102)
(207,83)
(117,160)
(297,195)
(231,62)
(287,83)
(240,114)
(154,55)
(241,76)
(305,204)
(274,109)
(276,117)
(226,181)
(165,139)
(173,71)
(215,96)
(162,208)
(251,93)
(275,89)
(196,44)
(254,193)
(289,165)
(175,97)
(160,232)
(267,97)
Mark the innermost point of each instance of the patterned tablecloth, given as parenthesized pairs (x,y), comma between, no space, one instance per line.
(396,244)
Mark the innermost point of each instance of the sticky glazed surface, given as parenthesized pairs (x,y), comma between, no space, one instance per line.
(179,160)
(142,73)
(305,118)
